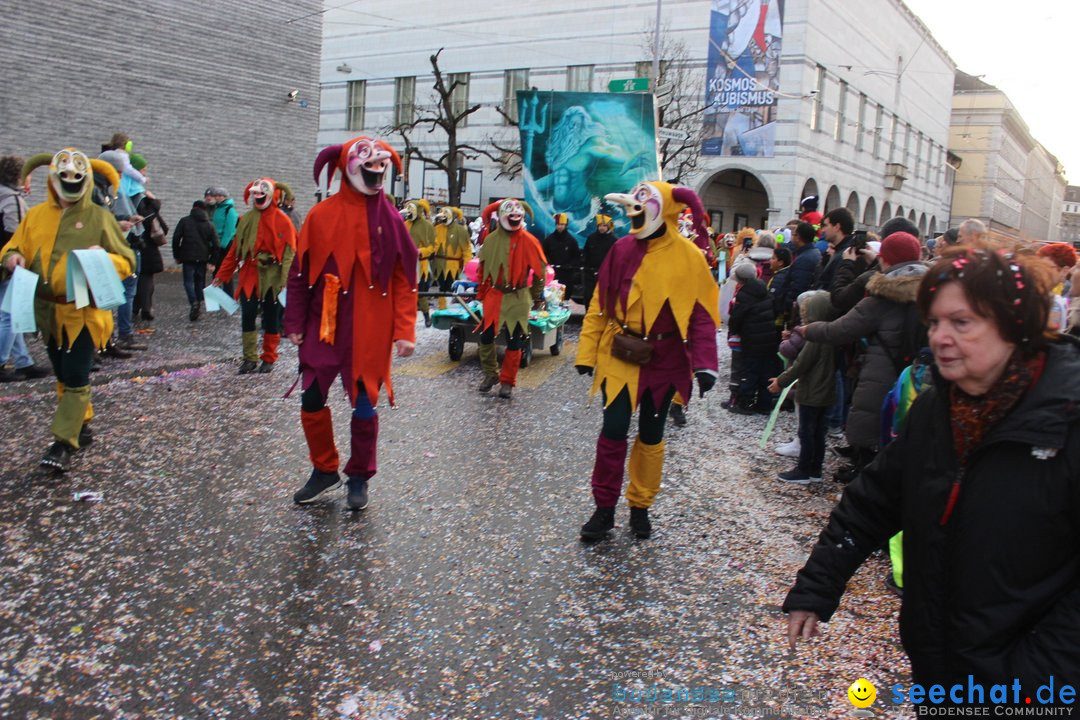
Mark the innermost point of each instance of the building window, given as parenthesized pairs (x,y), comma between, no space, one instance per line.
(819,96)
(355,112)
(918,154)
(459,97)
(513,80)
(579,78)
(930,173)
(404,100)
(860,127)
(841,108)
(894,128)
(879,128)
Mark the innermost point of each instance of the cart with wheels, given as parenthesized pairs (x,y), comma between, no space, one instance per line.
(545,329)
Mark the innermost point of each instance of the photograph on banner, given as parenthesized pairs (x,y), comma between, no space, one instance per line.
(743,77)
(577,147)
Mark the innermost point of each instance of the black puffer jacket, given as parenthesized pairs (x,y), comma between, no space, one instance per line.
(880,319)
(753,319)
(849,283)
(193,238)
(995,592)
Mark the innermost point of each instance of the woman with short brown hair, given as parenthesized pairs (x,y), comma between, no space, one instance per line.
(984,480)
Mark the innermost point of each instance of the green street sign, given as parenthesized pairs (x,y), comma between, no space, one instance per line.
(629,85)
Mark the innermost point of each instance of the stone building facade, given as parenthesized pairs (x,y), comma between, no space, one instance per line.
(202,89)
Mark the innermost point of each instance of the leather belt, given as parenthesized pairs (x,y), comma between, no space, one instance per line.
(58,299)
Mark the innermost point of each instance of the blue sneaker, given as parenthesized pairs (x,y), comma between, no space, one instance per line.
(357,498)
(319,483)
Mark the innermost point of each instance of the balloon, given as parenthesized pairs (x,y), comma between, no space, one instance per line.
(472,270)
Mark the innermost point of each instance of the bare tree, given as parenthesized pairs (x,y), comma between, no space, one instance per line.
(682,108)
(439,117)
(509,148)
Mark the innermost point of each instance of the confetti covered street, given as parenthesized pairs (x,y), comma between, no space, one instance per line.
(168,574)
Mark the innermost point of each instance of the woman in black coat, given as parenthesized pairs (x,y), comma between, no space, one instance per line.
(194,242)
(984,481)
(753,319)
(155,234)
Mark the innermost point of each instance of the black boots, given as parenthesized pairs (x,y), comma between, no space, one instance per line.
(488,382)
(194,314)
(602,521)
(247,367)
(57,456)
(266,367)
(506,390)
(639,523)
(860,458)
(677,415)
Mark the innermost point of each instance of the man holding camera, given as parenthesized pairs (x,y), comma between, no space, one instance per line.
(837,227)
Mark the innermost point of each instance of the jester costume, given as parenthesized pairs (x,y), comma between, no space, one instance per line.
(68,220)
(453,248)
(263,248)
(654,286)
(416,214)
(511,272)
(351,298)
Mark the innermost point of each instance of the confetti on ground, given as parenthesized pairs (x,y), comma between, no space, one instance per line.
(201,590)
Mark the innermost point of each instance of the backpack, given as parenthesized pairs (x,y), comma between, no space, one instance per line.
(914,341)
(4,234)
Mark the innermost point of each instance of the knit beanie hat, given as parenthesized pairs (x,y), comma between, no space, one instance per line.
(745,271)
(900,247)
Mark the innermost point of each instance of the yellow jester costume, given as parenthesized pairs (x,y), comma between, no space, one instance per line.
(68,220)
(416,214)
(654,286)
(453,248)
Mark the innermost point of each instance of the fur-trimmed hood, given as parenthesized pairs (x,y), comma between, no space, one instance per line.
(900,284)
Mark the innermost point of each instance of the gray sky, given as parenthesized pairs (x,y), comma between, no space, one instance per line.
(1026,49)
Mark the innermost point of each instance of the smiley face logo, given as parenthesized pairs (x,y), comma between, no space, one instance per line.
(862,693)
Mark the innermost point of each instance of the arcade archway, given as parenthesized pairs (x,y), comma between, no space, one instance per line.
(735,199)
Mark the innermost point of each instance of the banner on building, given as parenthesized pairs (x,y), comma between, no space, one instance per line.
(577,147)
(743,77)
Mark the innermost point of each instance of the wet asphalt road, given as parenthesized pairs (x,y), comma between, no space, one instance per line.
(195,588)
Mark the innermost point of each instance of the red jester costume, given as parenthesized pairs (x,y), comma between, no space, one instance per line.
(263,249)
(512,267)
(351,300)
(650,328)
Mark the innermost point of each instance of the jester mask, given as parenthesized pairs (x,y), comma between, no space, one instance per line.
(512,214)
(650,204)
(362,161)
(415,210)
(265,192)
(71,173)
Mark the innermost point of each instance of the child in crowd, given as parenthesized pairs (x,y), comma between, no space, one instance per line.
(814,368)
(780,263)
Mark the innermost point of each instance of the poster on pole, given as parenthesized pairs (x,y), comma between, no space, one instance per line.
(743,77)
(577,147)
